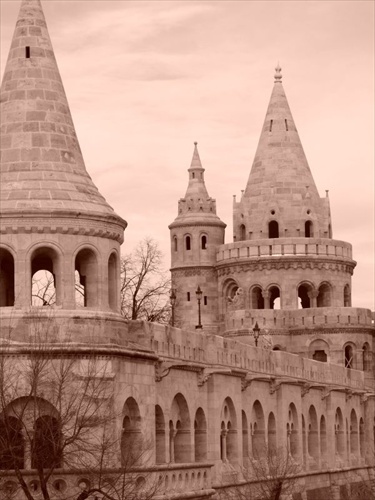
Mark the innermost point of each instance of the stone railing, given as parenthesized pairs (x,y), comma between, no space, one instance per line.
(327,317)
(312,247)
(172,481)
(199,349)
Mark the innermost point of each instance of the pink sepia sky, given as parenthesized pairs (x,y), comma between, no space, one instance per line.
(145,79)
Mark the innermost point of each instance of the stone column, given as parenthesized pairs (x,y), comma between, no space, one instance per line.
(313,295)
(266,296)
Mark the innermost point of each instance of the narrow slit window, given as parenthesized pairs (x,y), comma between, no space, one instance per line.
(27,52)
(205,300)
(188,243)
(188,296)
(271,123)
(286,125)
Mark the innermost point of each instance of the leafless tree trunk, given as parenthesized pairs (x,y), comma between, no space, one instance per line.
(145,286)
(273,473)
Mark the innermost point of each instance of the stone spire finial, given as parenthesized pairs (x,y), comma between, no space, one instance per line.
(278,75)
(196,161)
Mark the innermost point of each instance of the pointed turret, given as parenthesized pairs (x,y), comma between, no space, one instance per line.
(42,169)
(197,204)
(281,190)
(195,235)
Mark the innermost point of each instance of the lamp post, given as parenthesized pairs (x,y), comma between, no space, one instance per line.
(198,293)
(256,332)
(172,298)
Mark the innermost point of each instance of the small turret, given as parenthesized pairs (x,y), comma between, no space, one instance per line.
(195,234)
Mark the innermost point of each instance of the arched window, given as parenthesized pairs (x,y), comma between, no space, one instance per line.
(349,356)
(366,357)
(245,436)
(305,294)
(324,298)
(6,279)
(361,437)
(46,445)
(323,442)
(204,242)
(312,438)
(242,232)
(160,435)
(304,447)
(175,244)
(86,268)
(274,295)
(272,441)
(257,431)
(188,243)
(112,282)
(292,431)
(273,229)
(12,447)
(309,229)
(200,436)
(354,442)
(45,277)
(131,439)
(339,433)
(228,434)
(179,431)
(347,296)
(256,298)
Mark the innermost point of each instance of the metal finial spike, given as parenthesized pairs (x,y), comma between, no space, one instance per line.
(278,75)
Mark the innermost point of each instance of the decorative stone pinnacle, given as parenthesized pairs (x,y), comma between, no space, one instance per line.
(278,75)
(195,144)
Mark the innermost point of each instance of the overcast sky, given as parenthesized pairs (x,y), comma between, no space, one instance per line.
(146,79)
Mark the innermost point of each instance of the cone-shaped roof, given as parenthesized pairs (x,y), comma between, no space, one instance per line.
(196,187)
(42,168)
(197,206)
(280,185)
(280,158)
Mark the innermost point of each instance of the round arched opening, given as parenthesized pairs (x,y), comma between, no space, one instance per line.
(7,292)
(86,267)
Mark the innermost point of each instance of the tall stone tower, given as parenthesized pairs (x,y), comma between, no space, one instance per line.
(195,235)
(52,216)
(284,270)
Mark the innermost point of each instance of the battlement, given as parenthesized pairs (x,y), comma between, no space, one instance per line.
(284,247)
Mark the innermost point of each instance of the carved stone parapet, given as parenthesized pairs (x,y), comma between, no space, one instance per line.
(267,263)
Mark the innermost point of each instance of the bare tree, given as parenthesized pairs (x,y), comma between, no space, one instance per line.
(145,285)
(57,410)
(273,473)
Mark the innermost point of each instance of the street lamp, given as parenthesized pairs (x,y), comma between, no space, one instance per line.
(172,298)
(199,293)
(256,332)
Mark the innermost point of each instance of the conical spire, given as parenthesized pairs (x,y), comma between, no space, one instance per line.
(280,185)
(197,206)
(42,168)
(196,187)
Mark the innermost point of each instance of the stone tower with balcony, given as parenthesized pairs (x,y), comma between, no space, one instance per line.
(284,270)
(195,234)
